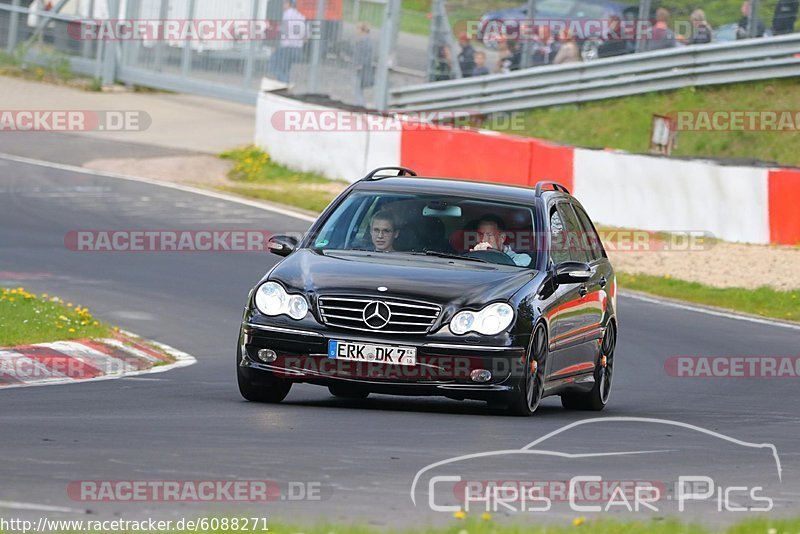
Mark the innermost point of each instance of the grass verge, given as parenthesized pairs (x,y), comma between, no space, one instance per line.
(763,302)
(52,67)
(257,176)
(27,318)
(624,123)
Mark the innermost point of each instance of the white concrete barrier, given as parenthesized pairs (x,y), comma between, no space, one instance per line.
(734,203)
(652,193)
(335,143)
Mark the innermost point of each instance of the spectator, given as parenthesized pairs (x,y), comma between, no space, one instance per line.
(466,58)
(362,61)
(542,46)
(785,17)
(568,52)
(442,64)
(614,42)
(701,30)
(743,31)
(290,48)
(662,36)
(480,64)
(510,56)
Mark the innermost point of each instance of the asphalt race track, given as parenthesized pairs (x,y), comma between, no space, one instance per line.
(191,424)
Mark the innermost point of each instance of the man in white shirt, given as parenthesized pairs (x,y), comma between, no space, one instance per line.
(290,48)
(492,236)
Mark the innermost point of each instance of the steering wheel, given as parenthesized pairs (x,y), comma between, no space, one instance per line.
(492,256)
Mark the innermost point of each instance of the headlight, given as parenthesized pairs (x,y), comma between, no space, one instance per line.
(271,299)
(490,321)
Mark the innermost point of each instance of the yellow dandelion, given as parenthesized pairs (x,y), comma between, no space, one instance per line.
(460,515)
(44,295)
(71,330)
(486,516)
(578,521)
(69,304)
(95,323)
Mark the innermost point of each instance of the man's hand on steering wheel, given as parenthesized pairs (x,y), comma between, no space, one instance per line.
(482,246)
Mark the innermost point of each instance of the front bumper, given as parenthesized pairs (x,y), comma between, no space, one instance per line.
(443,366)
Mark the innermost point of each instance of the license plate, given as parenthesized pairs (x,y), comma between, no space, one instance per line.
(363,352)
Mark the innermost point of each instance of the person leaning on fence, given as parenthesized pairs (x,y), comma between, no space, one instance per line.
(743,31)
(362,61)
(701,29)
(568,51)
(785,17)
(290,47)
(442,64)
(480,64)
(662,36)
(543,45)
(615,42)
(510,56)
(466,58)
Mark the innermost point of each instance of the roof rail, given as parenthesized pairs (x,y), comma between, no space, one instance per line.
(556,187)
(401,171)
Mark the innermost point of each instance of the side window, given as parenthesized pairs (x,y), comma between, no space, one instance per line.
(594,243)
(575,246)
(559,251)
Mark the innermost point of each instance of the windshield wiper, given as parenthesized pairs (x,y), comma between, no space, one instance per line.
(438,254)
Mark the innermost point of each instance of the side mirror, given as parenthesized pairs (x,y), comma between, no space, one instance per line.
(282,245)
(572,272)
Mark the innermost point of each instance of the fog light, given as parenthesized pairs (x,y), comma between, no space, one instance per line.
(267,355)
(480,375)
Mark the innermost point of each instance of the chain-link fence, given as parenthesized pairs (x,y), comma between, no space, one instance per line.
(351,51)
(334,48)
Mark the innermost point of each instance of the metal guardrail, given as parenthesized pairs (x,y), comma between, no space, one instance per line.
(738,61)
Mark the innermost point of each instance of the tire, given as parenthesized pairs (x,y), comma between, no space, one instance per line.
(596,399)
(258,386)
(531,385)
(345,392)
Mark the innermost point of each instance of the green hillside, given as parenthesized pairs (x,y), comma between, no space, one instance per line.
(625,123)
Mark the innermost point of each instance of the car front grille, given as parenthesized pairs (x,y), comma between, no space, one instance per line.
(404,317)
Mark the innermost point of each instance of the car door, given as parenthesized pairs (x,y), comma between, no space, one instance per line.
(569,318)
(602,281)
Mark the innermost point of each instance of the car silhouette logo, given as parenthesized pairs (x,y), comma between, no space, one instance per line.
(376,314)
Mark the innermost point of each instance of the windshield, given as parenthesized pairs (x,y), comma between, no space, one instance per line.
(447,227)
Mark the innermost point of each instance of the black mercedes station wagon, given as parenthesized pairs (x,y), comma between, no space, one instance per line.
(425,286)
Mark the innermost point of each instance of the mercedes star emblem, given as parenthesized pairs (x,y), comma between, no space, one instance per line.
(377,314)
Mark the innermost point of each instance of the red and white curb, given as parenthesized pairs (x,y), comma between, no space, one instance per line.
(69,362)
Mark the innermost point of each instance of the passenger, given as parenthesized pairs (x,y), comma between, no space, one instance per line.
(383,229)
(492,236)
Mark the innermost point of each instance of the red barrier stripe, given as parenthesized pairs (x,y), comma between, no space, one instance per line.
(465,154)
(784,214)
(552,163)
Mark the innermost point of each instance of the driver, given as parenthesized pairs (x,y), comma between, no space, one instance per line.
(383,230)
(492,236)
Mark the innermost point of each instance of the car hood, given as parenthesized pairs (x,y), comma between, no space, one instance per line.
(430,279)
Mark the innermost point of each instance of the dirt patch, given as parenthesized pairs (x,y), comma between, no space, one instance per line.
(720,265)
(200,169)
